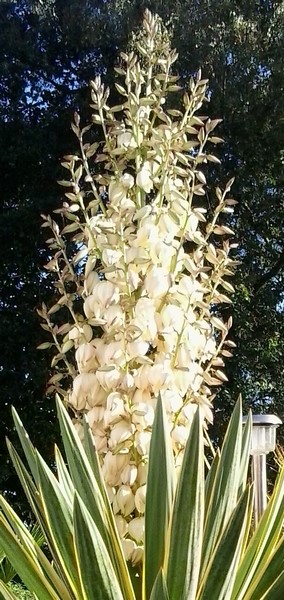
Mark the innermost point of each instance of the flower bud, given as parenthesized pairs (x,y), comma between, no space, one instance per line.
(142,415)
(91,280)
(126,140)
(157,282)
(172,400)
(144,178)
(127,181)
(142,473)
(137,555)
(81,334)
(122,526)
(99,437)
(141,395)
(180,434)
(115,409)
(137,348)
(140,499)
(129,474)
(112,466)
(95,415)
(108,379)
(128,547)
(86,390)
(136,529)
(125,500)
(120,433)
(142,442)
(86,358)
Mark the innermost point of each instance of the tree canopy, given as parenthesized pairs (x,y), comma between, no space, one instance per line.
(49,52)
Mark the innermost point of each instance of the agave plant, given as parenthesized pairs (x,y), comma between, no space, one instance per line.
(199,541)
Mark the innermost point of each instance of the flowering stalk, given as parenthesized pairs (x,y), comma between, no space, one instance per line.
(150,270)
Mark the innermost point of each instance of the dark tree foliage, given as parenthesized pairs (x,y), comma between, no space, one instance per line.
(49,50)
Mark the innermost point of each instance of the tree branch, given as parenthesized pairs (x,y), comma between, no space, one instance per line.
(261,281)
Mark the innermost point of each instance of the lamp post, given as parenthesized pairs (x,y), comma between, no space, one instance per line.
(263,441)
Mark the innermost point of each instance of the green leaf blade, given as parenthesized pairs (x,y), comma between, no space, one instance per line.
(159,590)
(270,582)
(225,489)
(219,578)
(26,444)
(58,516)
(159,498)
(183,565)
(98,578)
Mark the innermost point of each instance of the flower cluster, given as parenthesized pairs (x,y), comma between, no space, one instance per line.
(150,269)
